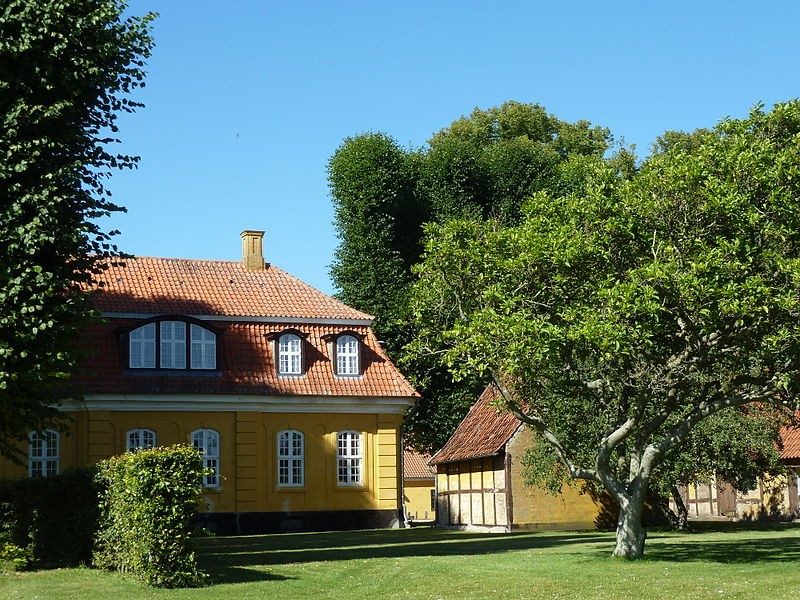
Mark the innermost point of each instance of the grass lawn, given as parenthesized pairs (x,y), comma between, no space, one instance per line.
(724,561)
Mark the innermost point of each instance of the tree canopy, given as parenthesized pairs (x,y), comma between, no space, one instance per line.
(615,320)
(66,68)
(481,166)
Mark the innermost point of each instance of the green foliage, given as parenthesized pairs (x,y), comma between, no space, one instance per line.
(39,514)
(16,557)
(150,498)
(484,165)
(66,67)
(625,314)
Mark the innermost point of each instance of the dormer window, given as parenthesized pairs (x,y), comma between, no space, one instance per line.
(174,344)
(288,351)
(347,362)
(289,354)
(346,348)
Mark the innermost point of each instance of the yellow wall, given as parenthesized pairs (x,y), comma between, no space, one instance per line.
(248,455)
(534,508)
(417,499)
(473,493)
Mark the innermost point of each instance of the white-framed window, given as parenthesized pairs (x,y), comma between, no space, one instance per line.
(291,456)
(204,348)
(172,344)
(290,359)
(206,441)
(347,362)
(348,458)
(138,439)
(43,453)
(142,347)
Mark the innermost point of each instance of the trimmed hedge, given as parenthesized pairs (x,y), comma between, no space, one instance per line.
(147,507)
(54,518)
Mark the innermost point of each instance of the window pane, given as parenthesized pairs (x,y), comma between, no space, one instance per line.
(289,354)
(173,344)
(142,347)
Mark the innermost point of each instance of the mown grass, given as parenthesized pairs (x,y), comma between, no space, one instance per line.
(723,561)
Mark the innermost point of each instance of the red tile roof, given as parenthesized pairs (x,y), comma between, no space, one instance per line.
(246,366)
(225,289)
(213,287)
(415,465)
(483,432)
(791,443)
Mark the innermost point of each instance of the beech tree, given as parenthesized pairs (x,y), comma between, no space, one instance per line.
(483,165)
(66,67)
(616,320)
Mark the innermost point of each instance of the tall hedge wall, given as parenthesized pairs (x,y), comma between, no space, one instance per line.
(55,516)
(149,499)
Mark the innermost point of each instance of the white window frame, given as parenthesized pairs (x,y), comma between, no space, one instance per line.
(347,356)
(140,439)
(349,458)
(140,340)
(206,441)
(172,343)
(44,453)
(203,351)
(290,354)
(291,458)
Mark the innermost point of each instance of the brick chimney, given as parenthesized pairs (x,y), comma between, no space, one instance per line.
(253,250)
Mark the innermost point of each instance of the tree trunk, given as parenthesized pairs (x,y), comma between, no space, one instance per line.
(630,531)
(683,512)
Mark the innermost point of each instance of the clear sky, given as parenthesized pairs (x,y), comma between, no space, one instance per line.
(247,100)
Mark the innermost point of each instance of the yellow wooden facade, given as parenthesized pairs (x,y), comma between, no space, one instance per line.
(489,493)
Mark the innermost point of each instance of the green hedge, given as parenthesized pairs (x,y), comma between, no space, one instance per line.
(55,518)
(149,499)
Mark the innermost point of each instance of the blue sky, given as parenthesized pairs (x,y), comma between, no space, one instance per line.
(246,101)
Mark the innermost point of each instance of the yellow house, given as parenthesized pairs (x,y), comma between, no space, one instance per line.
(419,488)
(480,485)
(286,391)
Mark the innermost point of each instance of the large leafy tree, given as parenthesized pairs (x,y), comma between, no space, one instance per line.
(484,165)
(616,320)
(66,68)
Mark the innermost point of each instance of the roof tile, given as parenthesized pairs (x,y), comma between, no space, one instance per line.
(212,287)
(415,465)
(483,432)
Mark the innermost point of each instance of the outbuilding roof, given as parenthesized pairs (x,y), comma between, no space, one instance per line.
(415,465)
(483,432)
(790,436)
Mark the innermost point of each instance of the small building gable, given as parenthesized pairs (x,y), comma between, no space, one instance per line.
(483,432)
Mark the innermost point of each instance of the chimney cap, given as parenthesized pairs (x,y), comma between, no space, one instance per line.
(252,232)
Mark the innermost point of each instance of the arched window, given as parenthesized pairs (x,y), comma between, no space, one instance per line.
(204,348)
(289,355)
(206,441)
(43,453)
(172,344)
(138,439)
(290,458)
(347,360)
(142,347)
(348,458)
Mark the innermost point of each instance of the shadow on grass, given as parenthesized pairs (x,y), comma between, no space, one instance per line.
(239,559)
(739,548)
(227,558)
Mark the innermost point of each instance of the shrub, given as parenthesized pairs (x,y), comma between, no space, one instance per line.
(147,507)
(40,514)
(14,558)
